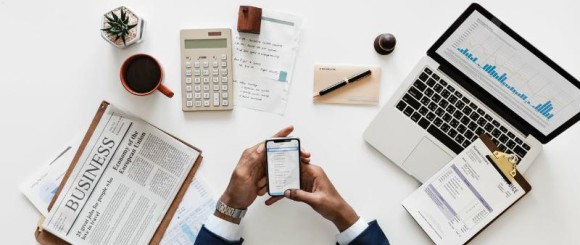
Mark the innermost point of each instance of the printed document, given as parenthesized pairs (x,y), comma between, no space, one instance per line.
(197,205)
(462,198)
(41,187)
(123,184)
(264,63)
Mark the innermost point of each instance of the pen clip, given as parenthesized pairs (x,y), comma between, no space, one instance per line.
(505,164)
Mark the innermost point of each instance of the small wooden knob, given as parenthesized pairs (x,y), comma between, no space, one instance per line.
(385,43)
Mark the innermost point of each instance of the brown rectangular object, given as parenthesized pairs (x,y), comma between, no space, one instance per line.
(46,238)
(249,19)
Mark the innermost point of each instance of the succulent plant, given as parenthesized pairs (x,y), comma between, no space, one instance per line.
(118,25)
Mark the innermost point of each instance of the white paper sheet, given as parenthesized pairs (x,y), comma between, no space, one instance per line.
(40,187)
(264,63)
(197,204)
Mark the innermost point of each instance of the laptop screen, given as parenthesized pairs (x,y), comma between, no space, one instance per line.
(507,70)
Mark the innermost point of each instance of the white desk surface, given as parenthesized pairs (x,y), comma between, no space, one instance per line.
(56,69)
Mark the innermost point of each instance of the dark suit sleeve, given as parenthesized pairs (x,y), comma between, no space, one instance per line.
(372,235)
(206,237)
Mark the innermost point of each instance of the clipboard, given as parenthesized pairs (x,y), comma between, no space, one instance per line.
(439,205)
(487,140)
(46,238)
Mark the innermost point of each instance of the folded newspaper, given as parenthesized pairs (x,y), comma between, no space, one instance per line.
(123,184)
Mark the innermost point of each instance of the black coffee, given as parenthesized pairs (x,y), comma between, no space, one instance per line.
(143,74)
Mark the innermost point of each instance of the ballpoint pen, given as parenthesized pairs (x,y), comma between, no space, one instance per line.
(343,83)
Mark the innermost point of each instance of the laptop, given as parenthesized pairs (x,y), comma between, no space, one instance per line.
(479,77)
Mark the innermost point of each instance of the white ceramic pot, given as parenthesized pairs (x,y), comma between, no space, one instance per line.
(135,34)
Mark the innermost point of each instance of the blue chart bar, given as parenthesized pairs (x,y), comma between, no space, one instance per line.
(467,54)
(543,109)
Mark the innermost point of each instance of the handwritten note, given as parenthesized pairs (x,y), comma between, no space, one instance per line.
(264,63)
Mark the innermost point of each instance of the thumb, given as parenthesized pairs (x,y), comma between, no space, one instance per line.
(300,196)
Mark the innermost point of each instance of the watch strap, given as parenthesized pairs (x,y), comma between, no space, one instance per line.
(229,211)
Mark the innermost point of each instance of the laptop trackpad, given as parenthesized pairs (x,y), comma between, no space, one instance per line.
(426,159)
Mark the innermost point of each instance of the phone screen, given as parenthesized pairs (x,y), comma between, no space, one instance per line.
(283,156)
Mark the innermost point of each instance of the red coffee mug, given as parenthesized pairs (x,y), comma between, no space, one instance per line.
(159,86)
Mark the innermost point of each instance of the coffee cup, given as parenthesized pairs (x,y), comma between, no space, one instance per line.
(141,75)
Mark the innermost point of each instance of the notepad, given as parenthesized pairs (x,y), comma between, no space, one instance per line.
(363,92)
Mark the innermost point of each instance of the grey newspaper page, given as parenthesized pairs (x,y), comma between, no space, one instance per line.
(123,184)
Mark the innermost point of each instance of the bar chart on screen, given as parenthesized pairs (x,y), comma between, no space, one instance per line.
(543,109)
(511,73)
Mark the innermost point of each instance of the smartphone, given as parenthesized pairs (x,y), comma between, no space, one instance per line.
(283,165)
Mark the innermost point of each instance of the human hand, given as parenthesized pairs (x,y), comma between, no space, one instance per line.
(248,179)
(321,195)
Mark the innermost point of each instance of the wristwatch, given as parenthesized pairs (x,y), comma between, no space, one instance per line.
(229,211)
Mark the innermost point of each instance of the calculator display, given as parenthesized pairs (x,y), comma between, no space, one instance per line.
(205,43)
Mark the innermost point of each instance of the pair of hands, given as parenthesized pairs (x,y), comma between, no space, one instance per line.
(248,181)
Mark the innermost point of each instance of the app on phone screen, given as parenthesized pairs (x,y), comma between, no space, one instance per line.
(283,166)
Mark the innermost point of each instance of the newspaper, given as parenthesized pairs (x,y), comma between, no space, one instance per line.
(122,185)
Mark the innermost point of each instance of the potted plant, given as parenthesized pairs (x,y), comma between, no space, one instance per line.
(122,27)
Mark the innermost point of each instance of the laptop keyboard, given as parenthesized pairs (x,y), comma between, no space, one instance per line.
(452,118)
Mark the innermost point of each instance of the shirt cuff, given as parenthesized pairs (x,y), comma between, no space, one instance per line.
(223,228)
(352,232)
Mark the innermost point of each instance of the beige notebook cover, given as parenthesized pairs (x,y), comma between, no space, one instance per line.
(362,92)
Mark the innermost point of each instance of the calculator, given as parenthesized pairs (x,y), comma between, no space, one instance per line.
(206,69)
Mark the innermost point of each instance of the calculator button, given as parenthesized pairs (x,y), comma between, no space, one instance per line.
(224,72)
(197,80)
(197,72)
(188,72)
(196,64)
(224,57)
(216,99)
(224,79)
(188,64)
(216,79)
(224,87)
(188,80)
(224,95)
(189,103)
(206,95)
(205,87)
(198,103)
(206,103)
(197,87)
(198,95)
(189,96)
(206,80)
(214,64)
(224,64)
(215,72)
(225,102)
(188,88)
(216,87)
(206,64)
(206,72)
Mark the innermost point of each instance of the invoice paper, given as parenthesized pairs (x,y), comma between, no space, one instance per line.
(264,63)
(462,198)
